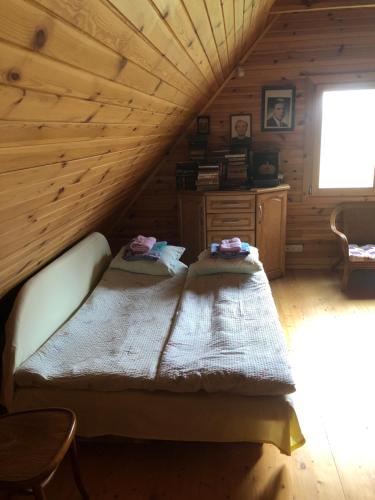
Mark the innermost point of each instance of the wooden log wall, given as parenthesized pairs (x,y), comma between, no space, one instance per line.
(339,44)
(92,95)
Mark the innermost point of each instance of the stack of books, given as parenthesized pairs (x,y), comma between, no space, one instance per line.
(208,178)
(186,175)
(198,148)
(236,169)
(217,157)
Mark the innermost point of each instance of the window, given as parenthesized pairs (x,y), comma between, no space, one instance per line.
(344,157)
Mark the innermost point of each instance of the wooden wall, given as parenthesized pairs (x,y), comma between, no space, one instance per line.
(339,44)
(92,95)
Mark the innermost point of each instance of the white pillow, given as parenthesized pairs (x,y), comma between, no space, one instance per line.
(215,265)
(168,264)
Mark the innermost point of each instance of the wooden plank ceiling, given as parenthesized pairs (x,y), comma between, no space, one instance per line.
(92,95)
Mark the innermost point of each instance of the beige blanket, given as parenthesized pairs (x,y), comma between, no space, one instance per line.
(114,341)
(227,338)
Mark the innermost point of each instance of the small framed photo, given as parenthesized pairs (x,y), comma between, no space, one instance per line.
(240,129)
(203,125)
(278,109)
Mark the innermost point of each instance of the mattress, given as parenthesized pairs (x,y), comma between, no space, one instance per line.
(227,337)
(133,333)
(114,341)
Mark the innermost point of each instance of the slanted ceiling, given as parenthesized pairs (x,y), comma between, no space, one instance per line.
(92,95)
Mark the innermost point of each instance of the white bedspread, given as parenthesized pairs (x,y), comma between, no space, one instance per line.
(114,341)
(227,337)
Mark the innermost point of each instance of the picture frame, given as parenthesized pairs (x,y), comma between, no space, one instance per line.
(203,125)
(240,129)
(278,109)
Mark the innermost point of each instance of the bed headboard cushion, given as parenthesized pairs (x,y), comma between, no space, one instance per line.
(48,299)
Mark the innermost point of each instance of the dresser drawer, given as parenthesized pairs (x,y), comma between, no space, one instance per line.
(231,220)
(224,204)
(217,236)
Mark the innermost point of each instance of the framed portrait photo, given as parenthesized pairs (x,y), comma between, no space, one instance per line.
(240,129)
(203,125)
(278,109)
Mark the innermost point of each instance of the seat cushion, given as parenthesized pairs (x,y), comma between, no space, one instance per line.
(361,253)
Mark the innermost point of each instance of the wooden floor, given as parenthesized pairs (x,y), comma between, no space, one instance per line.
(332,344)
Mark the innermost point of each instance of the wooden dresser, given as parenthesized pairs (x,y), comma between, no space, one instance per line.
(257,216)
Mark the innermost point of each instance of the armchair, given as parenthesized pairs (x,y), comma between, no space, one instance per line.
(354,226)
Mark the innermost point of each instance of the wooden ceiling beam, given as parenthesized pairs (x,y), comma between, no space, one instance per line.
(292,6)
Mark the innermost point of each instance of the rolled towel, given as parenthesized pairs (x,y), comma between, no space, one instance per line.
(232,245)
(153,255)
(142,244)
(244,252)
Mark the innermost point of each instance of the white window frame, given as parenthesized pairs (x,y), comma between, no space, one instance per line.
(313,188)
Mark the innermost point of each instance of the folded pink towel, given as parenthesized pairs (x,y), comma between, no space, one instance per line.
(142,244)
(231,245)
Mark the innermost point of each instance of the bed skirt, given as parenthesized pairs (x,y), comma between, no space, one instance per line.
(218,417)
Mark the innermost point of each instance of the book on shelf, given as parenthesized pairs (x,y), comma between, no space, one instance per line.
(186,175)
(211,183)
(239,176)
(208,177)
(236,156)
(208,167)
(217,154)
(211,179)
(236,169)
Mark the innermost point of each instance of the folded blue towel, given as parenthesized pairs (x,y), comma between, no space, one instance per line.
(153,255)
(215,251)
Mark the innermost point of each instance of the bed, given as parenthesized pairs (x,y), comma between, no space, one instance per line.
(136,357)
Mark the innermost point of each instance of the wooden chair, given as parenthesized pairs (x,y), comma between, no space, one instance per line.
(354,223)
(32,445)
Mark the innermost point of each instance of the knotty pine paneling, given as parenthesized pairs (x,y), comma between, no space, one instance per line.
(339,44)
(93,93)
